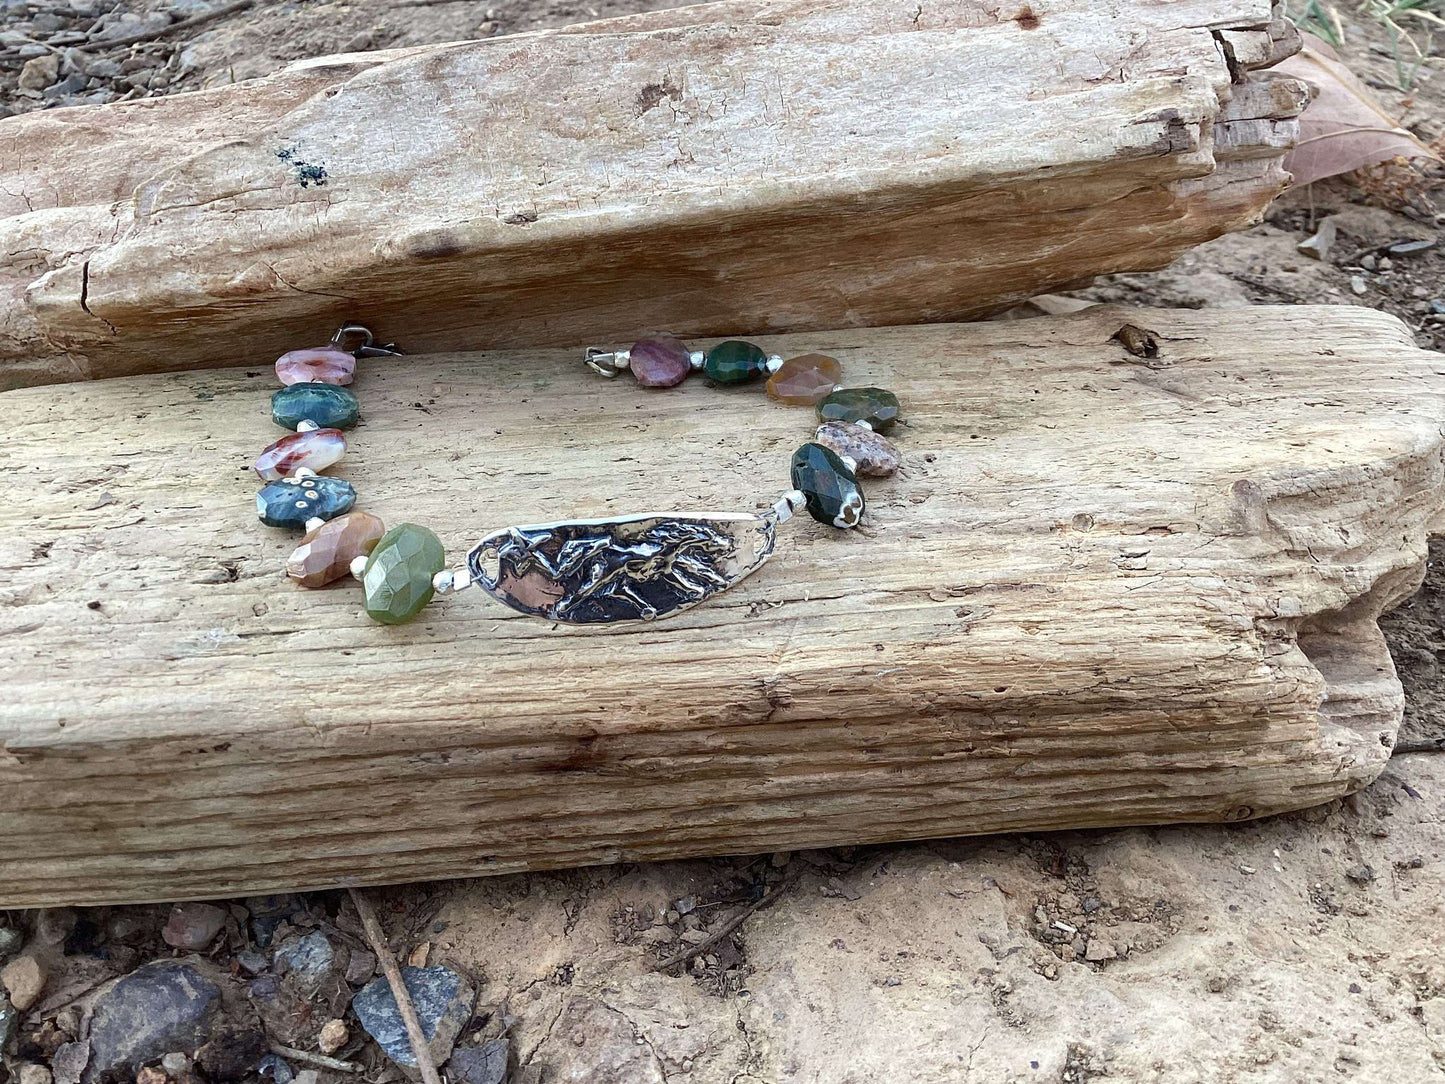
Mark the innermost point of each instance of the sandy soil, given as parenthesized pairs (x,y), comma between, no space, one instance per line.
(1306,947)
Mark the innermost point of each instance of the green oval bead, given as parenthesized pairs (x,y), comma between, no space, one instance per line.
(397,579)
(735,362)
(876,406)
(829,488)
(329,406)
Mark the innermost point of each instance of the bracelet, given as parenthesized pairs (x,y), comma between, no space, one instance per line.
(587,571)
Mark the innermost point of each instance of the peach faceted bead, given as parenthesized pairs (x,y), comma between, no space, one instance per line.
(803,380)
(326,553)
(316,364)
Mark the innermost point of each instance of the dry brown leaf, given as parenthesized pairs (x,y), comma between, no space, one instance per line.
(1343,128)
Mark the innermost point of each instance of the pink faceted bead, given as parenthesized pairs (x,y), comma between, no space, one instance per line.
(322,364)
(315,449)
(660,361)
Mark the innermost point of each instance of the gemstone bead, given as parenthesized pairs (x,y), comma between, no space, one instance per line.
(325,404)
(734,362)
(660,361)
(398,574)
(292,501)
(320,364)
(829,487)
(803,380)
(874,453)
(326,553)
(877,407)
(315,450)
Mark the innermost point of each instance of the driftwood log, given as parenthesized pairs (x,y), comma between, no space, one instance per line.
(1103,590)
(738,167)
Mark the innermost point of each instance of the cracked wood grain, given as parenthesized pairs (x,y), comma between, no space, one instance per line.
(738,167)
(1102,590)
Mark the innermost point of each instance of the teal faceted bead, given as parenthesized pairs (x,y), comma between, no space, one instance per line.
(397,579)
(830,490)
(735,362)
(876,406)
(329,406)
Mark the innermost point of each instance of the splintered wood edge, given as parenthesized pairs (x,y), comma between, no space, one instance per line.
(1104,590)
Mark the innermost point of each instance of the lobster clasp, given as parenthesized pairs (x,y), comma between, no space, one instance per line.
(606,362)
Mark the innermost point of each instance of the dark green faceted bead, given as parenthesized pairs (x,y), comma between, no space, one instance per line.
(329,406)
(397,579)
(290,502)
(877,407)
(735,362)
(829,487)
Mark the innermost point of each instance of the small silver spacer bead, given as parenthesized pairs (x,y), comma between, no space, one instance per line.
(788,505)
(306,425)
(314,522)
(850,463)
(697,359)
(864,424)
(442,582)
(358,565)
(304,472)
(775,362)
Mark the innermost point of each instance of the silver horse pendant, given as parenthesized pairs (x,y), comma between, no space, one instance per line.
(629,568)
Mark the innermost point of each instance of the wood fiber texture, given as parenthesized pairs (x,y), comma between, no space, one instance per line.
(1101,591)
(741,167)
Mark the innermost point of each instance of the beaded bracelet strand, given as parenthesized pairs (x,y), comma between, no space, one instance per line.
(588,571)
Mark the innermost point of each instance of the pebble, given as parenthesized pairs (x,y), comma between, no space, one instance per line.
(35,1074)
(69,1061)
(1358,284)
(10,941)
(486,1064)
(1367,261)
(308,958)
(1318,245)
(23,979)
(252,962)
(40,71)
(361,967)
(443,1000)
(1099,950)
(334,1035)
(192,926)
(73,83)
(307,1076)
(1361,875)
(1409,248)
(175,1063)
(150,1075)
(276,1067)
(154,1010)
(686,906)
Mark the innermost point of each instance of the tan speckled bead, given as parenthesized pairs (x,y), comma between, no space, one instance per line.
(875,454)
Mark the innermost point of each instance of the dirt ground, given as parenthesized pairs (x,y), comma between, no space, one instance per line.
(1306,947)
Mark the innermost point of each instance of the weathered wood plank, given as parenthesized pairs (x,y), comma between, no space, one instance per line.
(728,168)
(1100,592)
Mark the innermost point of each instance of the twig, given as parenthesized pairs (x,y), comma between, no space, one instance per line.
(320,1060)
(1430,745)
(726,928)
(414,1034)
(174,28)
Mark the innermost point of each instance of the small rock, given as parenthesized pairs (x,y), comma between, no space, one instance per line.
(308,958)
(232,1055)
(694,937)
(1409,248)
(154,1010)
(150,1075)
(1318,246)
(1361,875)
(252,962)
(486,1064)
(1367,261)
(39,72)
(1358,284)
(31,1073)
(67,1064)
(307,1076)
(687,905)
(1386,264)
(361,967)
(780,859)
(443,1000)
(657,935)
(276,1068)
(1099,950)
(1090,904)
(23,979)
(1248,871)
(71,84)
(10,941)
(193,926)
(334,1035)
(175,1063)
